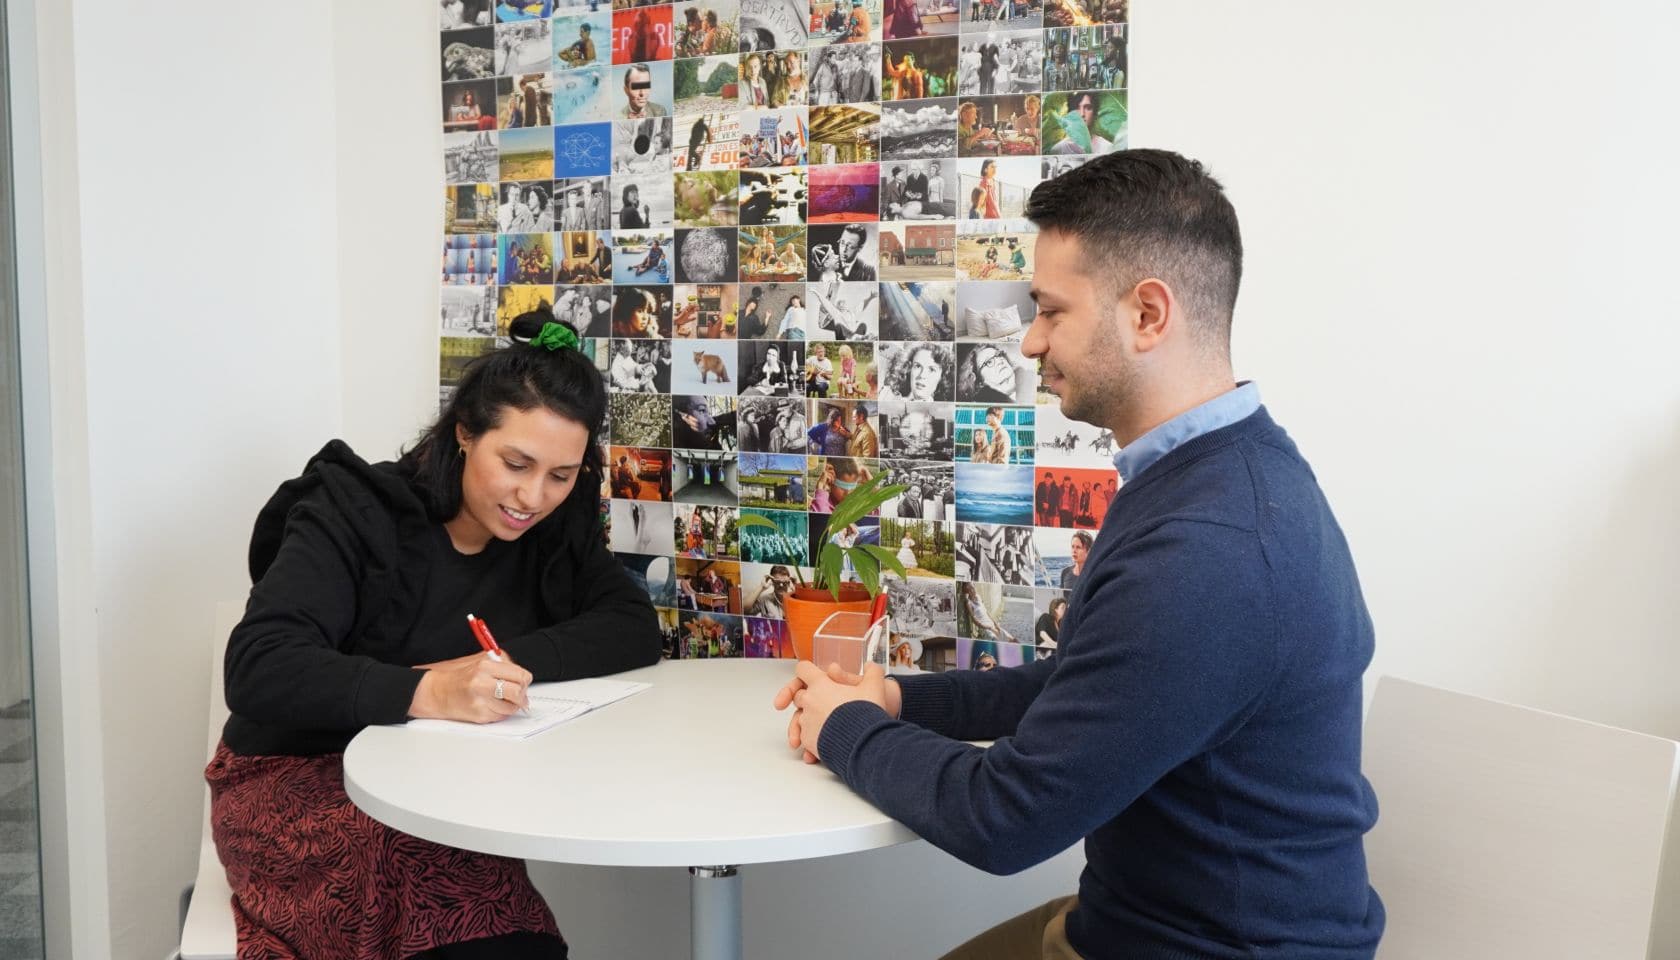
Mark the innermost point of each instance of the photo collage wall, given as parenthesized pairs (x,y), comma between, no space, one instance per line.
(792,235)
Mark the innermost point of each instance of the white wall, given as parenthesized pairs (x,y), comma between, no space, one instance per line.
(209,252)
(1457,231)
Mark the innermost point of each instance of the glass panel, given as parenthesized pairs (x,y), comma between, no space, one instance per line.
(20,833)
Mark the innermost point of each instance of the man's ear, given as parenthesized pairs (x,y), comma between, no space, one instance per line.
(1153,310)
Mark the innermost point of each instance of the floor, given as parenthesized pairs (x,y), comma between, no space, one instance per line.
(20,837)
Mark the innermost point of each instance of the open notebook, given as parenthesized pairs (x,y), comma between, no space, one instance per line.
(551,705)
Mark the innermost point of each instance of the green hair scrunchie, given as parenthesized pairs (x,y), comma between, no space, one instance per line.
(554,336)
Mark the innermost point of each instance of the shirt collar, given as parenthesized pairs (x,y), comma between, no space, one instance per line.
(1221,411)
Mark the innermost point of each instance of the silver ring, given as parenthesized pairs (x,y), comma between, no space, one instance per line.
(499,690)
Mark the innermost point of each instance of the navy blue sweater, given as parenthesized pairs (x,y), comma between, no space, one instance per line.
(1199,725)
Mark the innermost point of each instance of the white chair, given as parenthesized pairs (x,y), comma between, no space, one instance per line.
(1510,832)
(208,932)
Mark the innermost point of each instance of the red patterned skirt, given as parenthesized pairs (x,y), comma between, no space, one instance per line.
(315,878)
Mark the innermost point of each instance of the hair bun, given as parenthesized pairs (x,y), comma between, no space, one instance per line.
(530,323)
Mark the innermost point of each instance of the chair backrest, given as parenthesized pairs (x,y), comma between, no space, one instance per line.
(228,614)
(1510,832)
(207,927)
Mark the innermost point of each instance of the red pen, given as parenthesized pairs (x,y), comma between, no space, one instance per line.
(878,609)
(481,632)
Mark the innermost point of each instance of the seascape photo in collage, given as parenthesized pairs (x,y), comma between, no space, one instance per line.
(792,235)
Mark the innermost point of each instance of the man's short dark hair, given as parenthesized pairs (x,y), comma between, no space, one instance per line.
(1151,213)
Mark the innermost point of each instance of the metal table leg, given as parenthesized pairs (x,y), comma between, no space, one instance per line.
(715,913)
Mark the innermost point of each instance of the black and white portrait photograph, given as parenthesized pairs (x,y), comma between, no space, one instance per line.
(642,201)
(702,422)
(641,526)
(640,366)
(845,252)
(842,311)
(921,371)
(772,369)
(469,54)
(930,487)
(995,553)
(1000,62)
(525,207)
(639,419)
(918,310)
(995,372)
(916,430)
(772,425)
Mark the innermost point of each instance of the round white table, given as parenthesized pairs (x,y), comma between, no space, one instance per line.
(610,788)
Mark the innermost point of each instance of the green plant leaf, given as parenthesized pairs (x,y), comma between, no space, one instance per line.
(754,520)
(863,499)
(868,570)
(885,557)
(828,568)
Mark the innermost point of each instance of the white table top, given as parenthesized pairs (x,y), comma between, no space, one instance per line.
(692,772)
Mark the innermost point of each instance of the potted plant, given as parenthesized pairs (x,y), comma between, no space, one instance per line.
(809,604)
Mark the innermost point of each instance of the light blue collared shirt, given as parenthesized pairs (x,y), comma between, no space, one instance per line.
(1221,411)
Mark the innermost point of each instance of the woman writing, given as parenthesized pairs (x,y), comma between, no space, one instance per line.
(364,574)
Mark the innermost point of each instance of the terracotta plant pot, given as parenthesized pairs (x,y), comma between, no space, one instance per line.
(808,607)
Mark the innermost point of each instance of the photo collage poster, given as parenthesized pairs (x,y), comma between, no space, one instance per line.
(792,234)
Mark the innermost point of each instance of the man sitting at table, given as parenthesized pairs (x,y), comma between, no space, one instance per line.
(1199,725)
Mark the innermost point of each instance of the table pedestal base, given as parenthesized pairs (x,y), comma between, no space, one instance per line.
(715,913)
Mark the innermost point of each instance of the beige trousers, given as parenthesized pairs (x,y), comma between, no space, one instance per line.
(1038,934)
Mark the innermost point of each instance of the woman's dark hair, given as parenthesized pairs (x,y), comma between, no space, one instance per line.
(521,377)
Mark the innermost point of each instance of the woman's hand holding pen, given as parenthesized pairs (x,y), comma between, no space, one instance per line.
(465,688)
